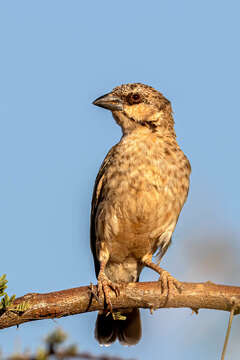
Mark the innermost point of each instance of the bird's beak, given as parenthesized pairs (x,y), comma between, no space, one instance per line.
(110,102)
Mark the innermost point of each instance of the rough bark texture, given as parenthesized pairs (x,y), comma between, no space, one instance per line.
(141,295)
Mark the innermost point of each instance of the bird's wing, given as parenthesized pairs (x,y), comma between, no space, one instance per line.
(96,199)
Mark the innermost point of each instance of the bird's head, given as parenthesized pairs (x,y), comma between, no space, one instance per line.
(138,105)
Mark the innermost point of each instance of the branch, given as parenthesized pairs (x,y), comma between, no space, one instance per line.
(133,295)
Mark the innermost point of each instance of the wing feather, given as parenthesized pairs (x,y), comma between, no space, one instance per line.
(96,199)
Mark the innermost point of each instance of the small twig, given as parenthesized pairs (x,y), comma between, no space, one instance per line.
(59,355)
(86,356)
(228,330)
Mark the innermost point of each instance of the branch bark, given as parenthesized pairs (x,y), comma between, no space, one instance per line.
(133,295)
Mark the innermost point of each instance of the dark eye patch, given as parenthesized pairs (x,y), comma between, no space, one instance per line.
(134,98)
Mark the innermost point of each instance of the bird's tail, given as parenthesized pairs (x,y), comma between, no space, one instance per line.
(128,331)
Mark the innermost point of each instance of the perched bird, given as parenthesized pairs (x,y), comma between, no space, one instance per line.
(138,195)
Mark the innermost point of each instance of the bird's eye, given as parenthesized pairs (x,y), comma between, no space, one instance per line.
(134,98)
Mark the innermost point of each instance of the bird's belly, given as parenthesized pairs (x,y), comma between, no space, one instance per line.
(126,271)
(134,223)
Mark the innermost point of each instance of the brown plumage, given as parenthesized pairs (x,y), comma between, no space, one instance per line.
(138,195)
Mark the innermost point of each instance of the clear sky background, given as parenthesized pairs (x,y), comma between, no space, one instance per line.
(56,57)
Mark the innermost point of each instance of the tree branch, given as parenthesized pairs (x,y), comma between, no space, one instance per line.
(133,295)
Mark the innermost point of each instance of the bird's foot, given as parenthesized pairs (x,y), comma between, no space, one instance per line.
(104,287)
(169,283)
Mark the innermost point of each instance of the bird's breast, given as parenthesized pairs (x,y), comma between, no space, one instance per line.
(143,192)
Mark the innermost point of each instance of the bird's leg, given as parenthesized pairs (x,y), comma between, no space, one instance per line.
(103,281)
(168,282)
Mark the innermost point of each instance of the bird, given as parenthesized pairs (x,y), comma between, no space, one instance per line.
(138,195)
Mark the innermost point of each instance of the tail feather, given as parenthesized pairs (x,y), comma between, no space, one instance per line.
(128,331)
(105,331)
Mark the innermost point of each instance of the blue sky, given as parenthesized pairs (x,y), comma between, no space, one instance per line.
(56,58)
